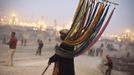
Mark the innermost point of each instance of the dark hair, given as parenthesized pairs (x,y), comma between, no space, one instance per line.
(62,36)
(63,33)
(13,33)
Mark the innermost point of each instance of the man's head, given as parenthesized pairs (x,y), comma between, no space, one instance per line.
(107,56)
(63,33)
(13,34)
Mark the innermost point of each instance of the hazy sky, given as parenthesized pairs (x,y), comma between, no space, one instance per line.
(63,11)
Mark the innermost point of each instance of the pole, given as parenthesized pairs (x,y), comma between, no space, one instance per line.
(45,69)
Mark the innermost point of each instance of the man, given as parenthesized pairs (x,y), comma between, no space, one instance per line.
(109,64)
(12,48)
(40,46)
(63,65)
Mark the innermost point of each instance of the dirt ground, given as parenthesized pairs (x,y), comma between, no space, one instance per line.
(27,63)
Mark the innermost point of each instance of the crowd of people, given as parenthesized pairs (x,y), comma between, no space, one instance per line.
(62,65)
(96,51)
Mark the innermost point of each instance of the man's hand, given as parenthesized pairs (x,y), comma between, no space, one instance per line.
(54,58)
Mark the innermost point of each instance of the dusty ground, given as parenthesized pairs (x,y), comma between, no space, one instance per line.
(27,63)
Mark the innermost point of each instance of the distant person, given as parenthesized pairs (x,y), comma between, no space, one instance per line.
(12,48)
(25,42)
(22,41)
(109,63)
(97,51)
(63,65)
(49,39)
(102,45)
(101,51)
(4,40)
(40,46)
(91,52)
(128,54)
